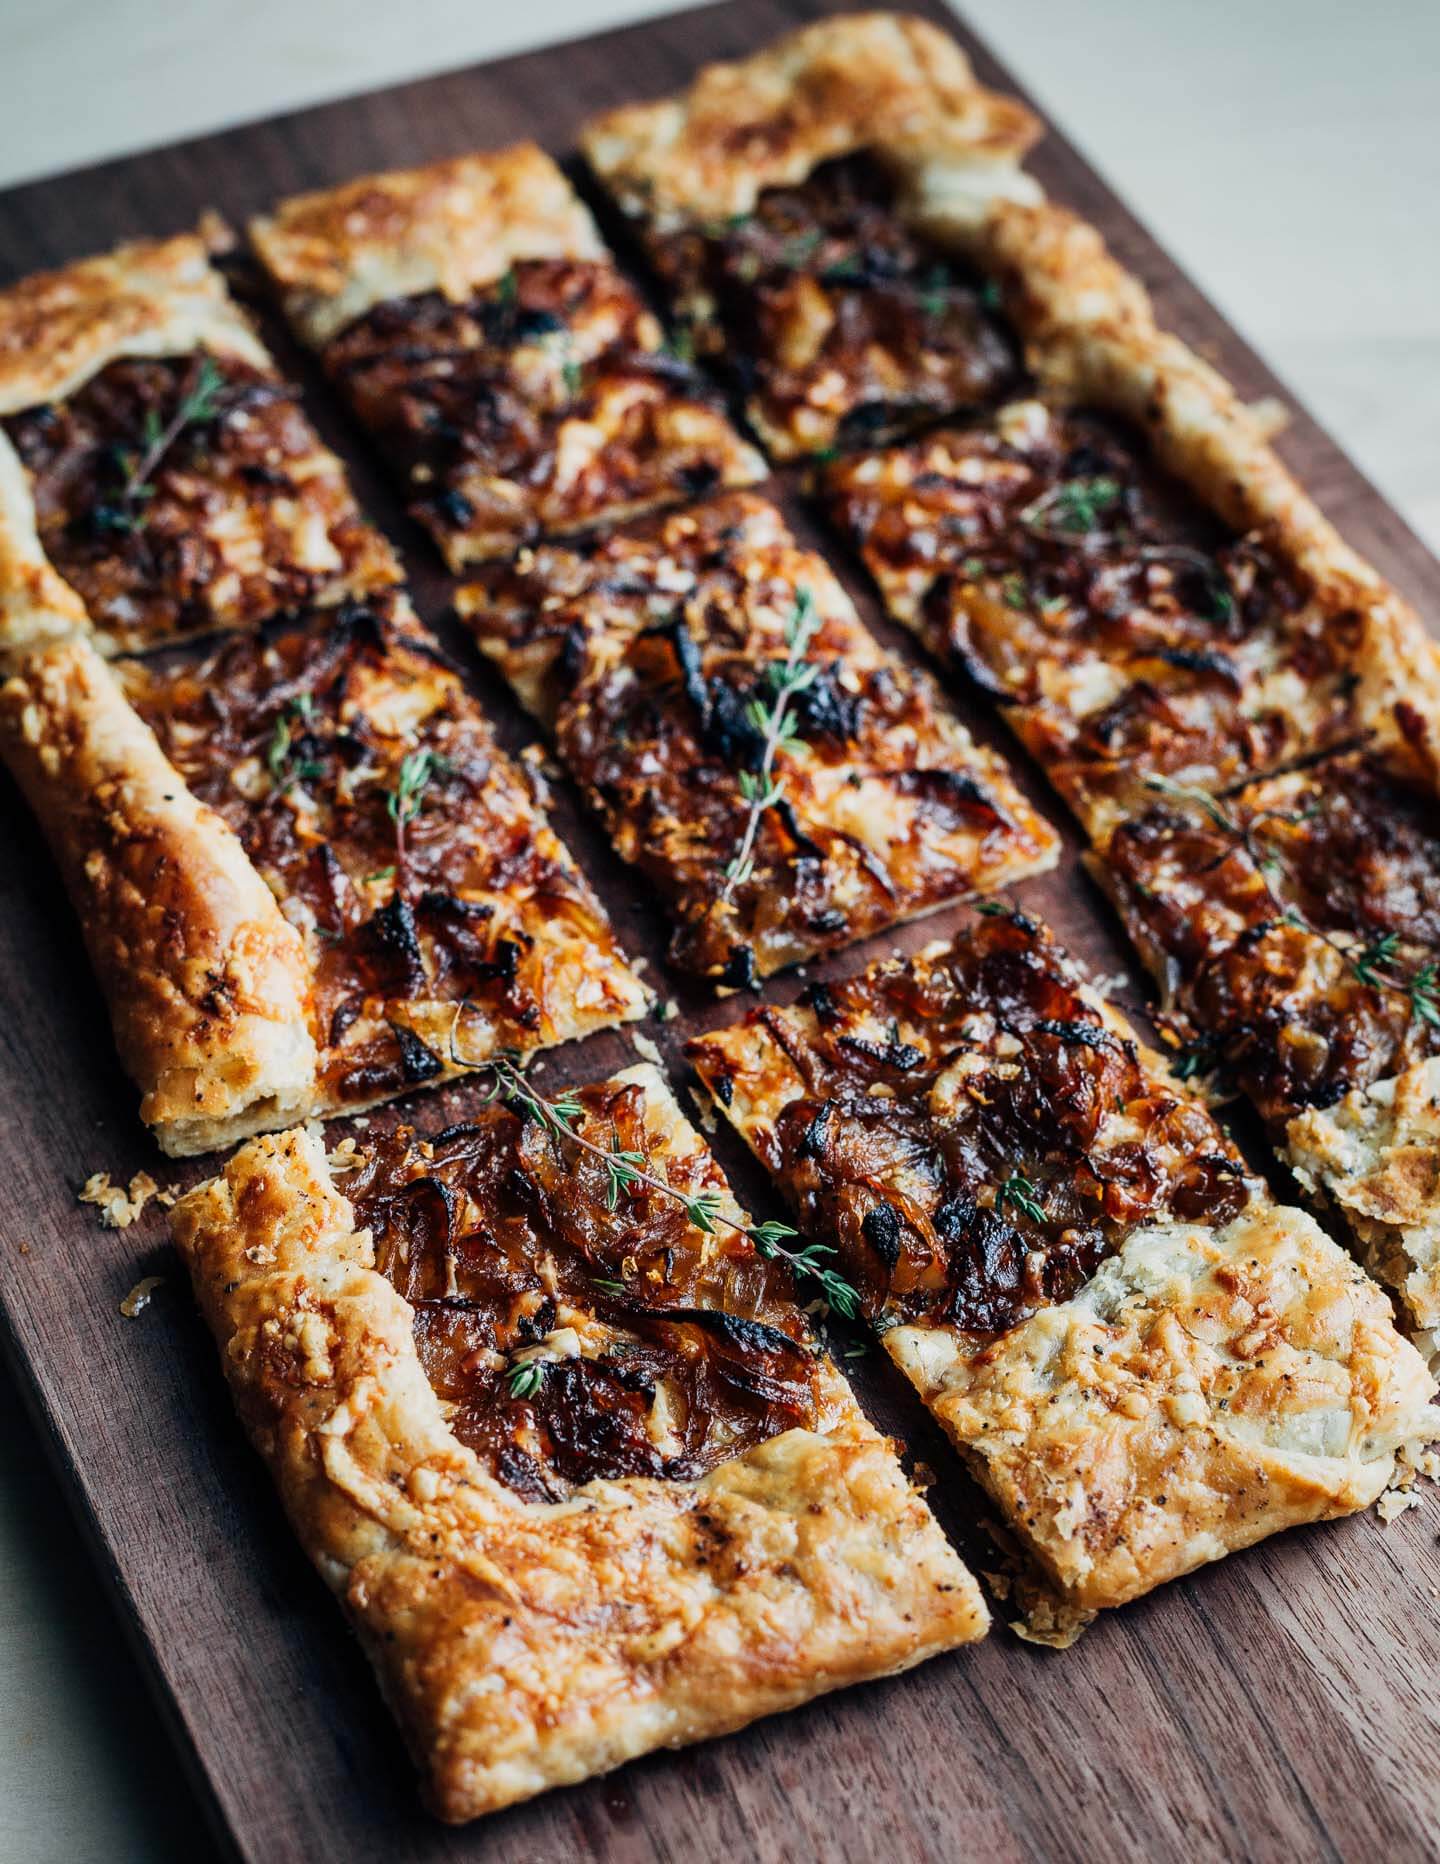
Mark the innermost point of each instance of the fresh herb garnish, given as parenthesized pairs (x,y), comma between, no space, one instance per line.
(199,402)
(774,723)
(1072,509)
(280,757)
(1019,1191)
(624,1169)
(526,1378)
(417,770)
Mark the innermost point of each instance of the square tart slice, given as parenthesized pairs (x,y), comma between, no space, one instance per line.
(513,378)
(776,200)
(1127,631)
(580,1474)
(1146,1363)
(309,878)
(660,661)
(157,477)
(1294,928)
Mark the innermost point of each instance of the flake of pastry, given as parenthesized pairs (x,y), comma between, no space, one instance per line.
(1070,1261)
(785,785)
(471,316)
(309,877)
(579,1472)
(157,478)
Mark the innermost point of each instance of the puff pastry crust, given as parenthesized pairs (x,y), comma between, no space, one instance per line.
(126,518)
(517,382)
(645,656)
(1148,1364)
(525,1645)
(309,878)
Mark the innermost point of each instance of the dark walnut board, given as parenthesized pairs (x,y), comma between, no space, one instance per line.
(1283,1703)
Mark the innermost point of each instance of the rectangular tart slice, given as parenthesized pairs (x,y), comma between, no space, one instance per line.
(308,876)
(1127,631)
(775,198)
(1147,1364)
(580,1474)
(157,477)
(1294,929)
(786,785)
(475,322)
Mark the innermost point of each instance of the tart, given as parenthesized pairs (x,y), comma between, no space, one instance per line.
(158,479)
(785,785)
(582,1477)
(1147,1363)
(513,378)
(309,878)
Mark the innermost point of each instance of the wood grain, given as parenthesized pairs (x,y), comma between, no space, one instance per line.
(1284,1703)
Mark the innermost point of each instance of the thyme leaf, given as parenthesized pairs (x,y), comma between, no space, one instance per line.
(1020,1192)
(199,402)
(526,1378)
(561,1117)
(1073,508)
(773,720)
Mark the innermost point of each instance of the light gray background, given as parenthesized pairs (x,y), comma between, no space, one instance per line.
(1286,151)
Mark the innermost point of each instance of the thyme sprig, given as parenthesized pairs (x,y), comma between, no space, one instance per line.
(199,402)
(1019,1191)
(625,1169)
(1073,509)
(418,769)
(1371,963)
(292,722)
(772,718)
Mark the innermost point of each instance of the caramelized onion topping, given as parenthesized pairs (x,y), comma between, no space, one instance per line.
(234,524)
(492,407)
(1295,976)
(312,743)
(843,326)
(658,1351)
(974,1140)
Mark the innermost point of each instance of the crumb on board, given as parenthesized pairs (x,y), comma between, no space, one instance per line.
(119,1206)
(1395,1502)
(139,1296)
(667,1011)
(645,1047)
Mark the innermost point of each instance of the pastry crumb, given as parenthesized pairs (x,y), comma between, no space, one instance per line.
(644,1046)
(1395,1502)
(140,1295)
(119,1206)
(667,1011)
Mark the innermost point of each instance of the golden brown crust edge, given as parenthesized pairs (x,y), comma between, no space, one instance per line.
(525,1646)
(206,981)
(449,226)
(884,81)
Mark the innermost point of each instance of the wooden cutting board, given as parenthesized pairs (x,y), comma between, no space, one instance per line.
(1284,1703)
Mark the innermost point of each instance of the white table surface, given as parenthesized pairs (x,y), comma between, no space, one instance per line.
(1286,151)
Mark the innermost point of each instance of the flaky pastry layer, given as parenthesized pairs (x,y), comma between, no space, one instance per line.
(447,227)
